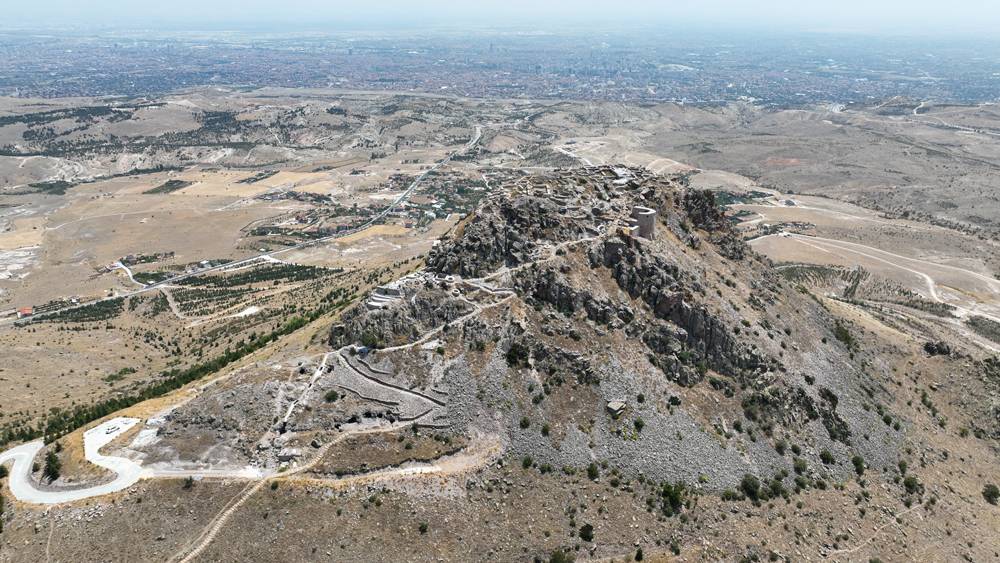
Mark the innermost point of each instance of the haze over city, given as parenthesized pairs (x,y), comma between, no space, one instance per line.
(882,16)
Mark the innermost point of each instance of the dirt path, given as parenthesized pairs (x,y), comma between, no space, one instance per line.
(215,526)
(844,552)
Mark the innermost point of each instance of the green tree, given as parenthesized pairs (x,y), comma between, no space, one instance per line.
(53,466)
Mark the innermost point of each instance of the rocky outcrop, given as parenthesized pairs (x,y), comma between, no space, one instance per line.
(699,337)
(503,233)
(703,211)
(402,323)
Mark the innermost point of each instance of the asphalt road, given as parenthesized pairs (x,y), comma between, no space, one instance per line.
(127,472)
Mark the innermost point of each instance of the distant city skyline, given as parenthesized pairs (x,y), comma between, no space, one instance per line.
(871,16)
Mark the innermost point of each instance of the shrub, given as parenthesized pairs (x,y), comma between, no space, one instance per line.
(841,333)
(859,465)
(750,486)
(526,462)
(422,527)
(517,355)
(593,472)
(730,494)
(638,554)
(826,457)
(525,422)
(587,532)
(991,493)
(672,498)
(560,556)
(639,424)
(331,396)
(799,465)
(912,485)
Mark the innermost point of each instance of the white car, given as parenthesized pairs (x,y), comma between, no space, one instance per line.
(111,430)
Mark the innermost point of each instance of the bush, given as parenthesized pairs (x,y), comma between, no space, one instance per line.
(780,446)
(639,424)
(826,457)
(422,527)
(587,532)
(672,498)
(527,462)
(525,422)
(638,554)
(750,486)
(859,465)
(991,493)
(331,396)
(592,472)
(912,485)
(560,556)
(730,494)
(799,465)
(517,355)
(3,471)
(841,333)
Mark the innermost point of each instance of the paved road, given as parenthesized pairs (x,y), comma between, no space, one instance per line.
(127,472)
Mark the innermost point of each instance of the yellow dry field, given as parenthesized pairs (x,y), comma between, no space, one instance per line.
(720,179)
(103,222)
(25,232)
(224,183)
(934,281)
(374,230)
(613,149)
(291,179)
(374,247)
(322,187)
(327,165)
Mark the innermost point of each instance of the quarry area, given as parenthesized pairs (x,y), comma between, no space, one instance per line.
(308,325)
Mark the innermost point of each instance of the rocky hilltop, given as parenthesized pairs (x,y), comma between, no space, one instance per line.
(671,352)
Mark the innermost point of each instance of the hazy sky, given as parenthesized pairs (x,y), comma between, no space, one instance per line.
(890,16)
